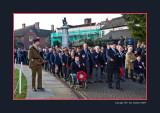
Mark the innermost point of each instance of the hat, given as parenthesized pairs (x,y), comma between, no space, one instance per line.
(112,43)
(35,40)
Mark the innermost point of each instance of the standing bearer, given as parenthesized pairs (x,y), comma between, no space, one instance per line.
(65,61)
(85,60)
(97,63)
(52,60)
(113,66)
(35,59)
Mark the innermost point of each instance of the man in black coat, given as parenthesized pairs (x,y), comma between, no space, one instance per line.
(58,62)
(65,62)
(24,57)
(85,60)
(52,60)
(97,64)
(105,62)
(113,66)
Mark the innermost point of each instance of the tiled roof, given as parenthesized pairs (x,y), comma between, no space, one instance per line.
(114,35)
(39,33)
(115,22)
(21,32)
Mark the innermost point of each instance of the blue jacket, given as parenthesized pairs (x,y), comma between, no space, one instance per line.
(52,58)
(46,57)
(83,60)
(58,60)
(136,66)
(97,58)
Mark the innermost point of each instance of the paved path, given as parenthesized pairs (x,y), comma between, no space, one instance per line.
(131,90)
(54,89)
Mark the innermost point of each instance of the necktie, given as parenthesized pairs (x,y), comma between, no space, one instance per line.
(86,55)
(121,55)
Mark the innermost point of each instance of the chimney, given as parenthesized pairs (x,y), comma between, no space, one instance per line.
(52,28)
(87,21)
(23,25)
(37,25)
(106,22)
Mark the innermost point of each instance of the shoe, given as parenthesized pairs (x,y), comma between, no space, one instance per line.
(126,77)
(133,79)
(110,87)
(89,82)
(106,81)
(122,80)
(119,89)
(95,81)
(41,89)
(34,89)
(66,80)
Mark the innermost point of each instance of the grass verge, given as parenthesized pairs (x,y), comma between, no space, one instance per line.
(23,85)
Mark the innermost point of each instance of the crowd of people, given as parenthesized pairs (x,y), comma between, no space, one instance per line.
(95,61)
(21,55)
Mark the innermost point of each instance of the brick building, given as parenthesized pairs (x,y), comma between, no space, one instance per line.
(26,34)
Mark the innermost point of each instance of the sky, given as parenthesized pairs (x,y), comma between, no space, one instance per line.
(46,20)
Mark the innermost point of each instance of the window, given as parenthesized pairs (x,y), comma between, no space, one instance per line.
(30,38)
(46,39)
(120,28)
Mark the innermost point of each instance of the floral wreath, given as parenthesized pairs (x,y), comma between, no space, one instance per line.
(81,76)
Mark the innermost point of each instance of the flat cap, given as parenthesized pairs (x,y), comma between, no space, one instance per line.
(35,40)
(112,43)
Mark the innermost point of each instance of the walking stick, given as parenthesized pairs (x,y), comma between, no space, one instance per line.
(38,64)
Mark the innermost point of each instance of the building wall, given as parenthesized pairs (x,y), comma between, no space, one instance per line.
(106,31)
(27,43)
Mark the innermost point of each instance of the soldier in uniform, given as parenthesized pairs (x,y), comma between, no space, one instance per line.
(34,63)
(97,64)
